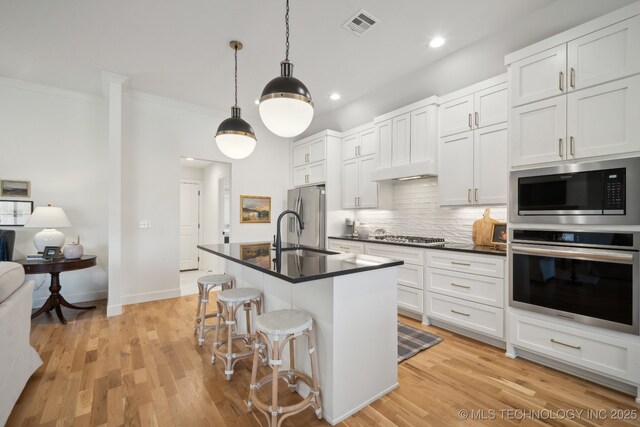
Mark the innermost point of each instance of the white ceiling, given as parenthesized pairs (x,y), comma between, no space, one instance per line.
(179,49)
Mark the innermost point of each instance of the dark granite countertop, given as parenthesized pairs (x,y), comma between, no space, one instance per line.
(296,268)
(458,247)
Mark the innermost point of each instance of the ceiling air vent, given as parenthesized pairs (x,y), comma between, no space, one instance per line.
(360,23)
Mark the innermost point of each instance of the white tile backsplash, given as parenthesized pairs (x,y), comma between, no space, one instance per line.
(416,212)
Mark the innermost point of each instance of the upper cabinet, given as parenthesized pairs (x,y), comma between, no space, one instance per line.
(309,160)
(580,97)
(473,145)
(408,141)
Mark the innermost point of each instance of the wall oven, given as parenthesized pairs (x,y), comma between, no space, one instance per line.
(603,192)
(587,277)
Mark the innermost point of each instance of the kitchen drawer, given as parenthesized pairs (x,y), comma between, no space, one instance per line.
(588,350)
(470,315)
(410,299)
(408,255)
(346,246)
(485,265)
(411,275)
(471,287)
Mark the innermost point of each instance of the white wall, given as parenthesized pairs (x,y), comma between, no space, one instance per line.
(156,133)
(212,209)
(58,140)
(194,174)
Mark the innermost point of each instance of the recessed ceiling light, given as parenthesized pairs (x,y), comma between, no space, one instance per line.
(257,102)
(436,42)
(335,96)
(190,159)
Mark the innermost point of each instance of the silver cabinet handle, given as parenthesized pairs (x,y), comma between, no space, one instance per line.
(477,119)
(470,125)
(571,146)
(355,151)
(460,313)
(358,200)
(359,154)
(466,264)
(476,194)
(572,78)
(306,178)
(561,82)
(577,347)
(560,148)
(469,195)
(460,286)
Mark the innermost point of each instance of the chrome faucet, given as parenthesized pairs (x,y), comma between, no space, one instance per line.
(278,240)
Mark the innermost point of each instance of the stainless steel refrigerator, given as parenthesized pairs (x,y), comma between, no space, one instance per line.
(309,202)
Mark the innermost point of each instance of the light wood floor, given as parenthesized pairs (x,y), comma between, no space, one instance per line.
(145,368)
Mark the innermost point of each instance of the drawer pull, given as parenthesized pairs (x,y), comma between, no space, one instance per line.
(460,286)
(576,347)
(344,247)
(466,264)
(460,313)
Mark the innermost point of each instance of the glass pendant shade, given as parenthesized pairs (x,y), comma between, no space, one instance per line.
(235,137)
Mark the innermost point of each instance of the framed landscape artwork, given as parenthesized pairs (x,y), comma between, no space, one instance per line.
(9,188)
(255,209)
(14,212)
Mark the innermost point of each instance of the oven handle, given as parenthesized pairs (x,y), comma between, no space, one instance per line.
(575,253)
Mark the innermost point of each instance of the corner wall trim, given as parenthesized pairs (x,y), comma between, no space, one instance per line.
(149,296)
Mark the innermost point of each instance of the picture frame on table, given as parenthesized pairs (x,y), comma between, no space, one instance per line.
(15,188)
(255,209)
(51,252)
(499,235)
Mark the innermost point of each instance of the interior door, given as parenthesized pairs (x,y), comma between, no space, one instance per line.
(189,225)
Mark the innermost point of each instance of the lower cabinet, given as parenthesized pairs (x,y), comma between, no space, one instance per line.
(466,290)
(345,246)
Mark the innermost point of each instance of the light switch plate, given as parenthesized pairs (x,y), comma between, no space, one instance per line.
(143,223)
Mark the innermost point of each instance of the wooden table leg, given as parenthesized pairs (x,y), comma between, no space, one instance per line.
(55,300)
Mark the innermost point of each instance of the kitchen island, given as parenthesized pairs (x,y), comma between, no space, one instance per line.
(352,299)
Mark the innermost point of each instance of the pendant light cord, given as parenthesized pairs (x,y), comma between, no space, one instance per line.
(286,20)
(236,72)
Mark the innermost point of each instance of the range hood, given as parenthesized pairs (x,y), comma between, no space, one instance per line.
(408,171)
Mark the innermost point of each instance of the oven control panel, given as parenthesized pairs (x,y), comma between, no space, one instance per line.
(614,191)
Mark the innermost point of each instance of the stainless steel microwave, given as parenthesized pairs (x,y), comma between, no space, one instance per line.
(602,193)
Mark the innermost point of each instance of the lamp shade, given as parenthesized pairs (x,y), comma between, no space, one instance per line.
(235,137)
(48,217)
(286,108)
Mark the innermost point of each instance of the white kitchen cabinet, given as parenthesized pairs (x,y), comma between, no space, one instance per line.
(310,174)
(410,299)
(358,191)
(384,131)
(476,169)
(422,123)
(350,180)
(345,246)
(309,160)
(350,144)
(401,141)
(479,105)
(539,76)
(309,151)
(484,265)
(480,318)
(362,142)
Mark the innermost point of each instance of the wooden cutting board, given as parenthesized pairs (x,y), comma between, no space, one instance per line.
(481,233)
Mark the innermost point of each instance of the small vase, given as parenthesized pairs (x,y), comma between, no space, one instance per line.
(73,251)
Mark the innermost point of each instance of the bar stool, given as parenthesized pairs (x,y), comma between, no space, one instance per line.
(205,284)
(284,326)
(229,301)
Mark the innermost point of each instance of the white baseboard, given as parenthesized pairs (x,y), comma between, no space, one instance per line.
(149,296)
(189,289)
(73,298)
(114,310)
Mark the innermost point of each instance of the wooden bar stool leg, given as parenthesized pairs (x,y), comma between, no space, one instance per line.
(292,381)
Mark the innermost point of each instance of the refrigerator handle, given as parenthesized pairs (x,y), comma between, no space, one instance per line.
(299,210)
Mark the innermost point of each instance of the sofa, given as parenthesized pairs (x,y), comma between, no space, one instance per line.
(18,359)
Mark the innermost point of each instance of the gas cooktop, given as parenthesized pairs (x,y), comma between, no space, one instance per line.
(417,240)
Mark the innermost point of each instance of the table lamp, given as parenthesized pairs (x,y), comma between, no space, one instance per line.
(48,217)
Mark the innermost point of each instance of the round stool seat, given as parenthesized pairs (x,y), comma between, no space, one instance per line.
(215,279)
(239,295)
(284,322)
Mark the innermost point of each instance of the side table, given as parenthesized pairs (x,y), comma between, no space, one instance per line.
(55,267)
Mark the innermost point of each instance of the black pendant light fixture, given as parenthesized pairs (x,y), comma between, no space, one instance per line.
(286,108)
(235,137)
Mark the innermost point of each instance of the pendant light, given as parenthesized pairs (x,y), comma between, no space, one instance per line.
(286,107)
(235,137)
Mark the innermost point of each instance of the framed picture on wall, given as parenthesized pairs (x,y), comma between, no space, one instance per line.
(255,209)
(15,212)
(10,188)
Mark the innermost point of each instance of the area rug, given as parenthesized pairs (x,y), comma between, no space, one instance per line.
(412,341)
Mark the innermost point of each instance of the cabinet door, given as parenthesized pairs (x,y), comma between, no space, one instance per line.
(300,154)
(538,132)
(490,164)
(349,183)
(605,55)
(367,189)
(539,76)
(300,176)
(603,119)
(420,132)
(317,150)
(401,140)
(490,106)
(455,181)
(350,146)
(316,172)
(368,142)
(385,142)
(456,116)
